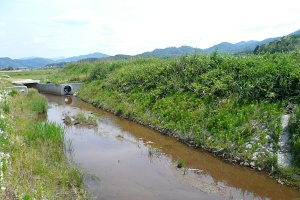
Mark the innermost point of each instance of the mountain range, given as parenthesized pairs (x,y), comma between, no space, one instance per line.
(35,62)
(224,47)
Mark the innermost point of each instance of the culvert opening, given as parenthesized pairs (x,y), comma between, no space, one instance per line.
(67,89)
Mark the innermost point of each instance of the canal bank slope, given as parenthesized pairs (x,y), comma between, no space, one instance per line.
(33,164)
(230,106)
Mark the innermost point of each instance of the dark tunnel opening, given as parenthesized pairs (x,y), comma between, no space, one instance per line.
(67,89)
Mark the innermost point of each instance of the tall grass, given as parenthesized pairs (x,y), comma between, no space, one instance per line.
(38,167)
(39,103)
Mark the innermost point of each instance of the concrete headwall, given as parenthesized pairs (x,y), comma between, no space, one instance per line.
(57,89)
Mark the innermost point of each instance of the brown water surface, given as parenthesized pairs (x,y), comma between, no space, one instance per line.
(135,162)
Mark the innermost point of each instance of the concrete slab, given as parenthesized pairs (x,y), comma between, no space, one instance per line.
(25,81)
(284,156)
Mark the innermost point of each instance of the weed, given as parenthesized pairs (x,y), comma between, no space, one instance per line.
(85,118)
(80,116)
(67,120)
(184,170)
(13,93)
(150,150)
(153,152)
(180,162)
(38,102)
(4,105)
(69,146)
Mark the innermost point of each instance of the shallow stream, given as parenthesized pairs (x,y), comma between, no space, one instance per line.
(135,162)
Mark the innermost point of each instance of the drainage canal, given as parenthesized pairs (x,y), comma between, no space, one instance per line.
(134,162)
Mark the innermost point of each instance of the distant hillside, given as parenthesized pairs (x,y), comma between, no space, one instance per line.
(118,57)
(171,52)
(224,47)
(295,33)
(30,63)
(284,44)
(248,47)
(35,62)
(76,58)
(287,43)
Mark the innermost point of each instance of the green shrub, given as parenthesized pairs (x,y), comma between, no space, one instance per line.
(13,93)
(180,162)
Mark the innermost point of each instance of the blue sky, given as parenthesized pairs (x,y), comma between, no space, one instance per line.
(54,28)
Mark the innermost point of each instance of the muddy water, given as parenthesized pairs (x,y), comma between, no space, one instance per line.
(134,162)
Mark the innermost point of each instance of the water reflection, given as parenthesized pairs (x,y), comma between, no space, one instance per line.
(127,155)
(68,100)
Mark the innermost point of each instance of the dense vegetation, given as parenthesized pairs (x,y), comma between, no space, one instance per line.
(229,105)
(33,164)
(285,44)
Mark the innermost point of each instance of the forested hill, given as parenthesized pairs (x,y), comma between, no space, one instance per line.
(224,47)
(171,52)
(284,44)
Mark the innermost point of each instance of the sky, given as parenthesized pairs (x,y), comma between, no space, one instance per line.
(56,28)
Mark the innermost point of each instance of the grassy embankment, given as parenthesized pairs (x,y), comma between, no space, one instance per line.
(33,161)
(228,105)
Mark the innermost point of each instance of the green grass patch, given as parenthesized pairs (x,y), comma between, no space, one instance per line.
(83,118)
(39,103)
(42,74)
(37,167)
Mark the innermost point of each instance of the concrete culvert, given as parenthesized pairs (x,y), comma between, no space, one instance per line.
(67,89)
